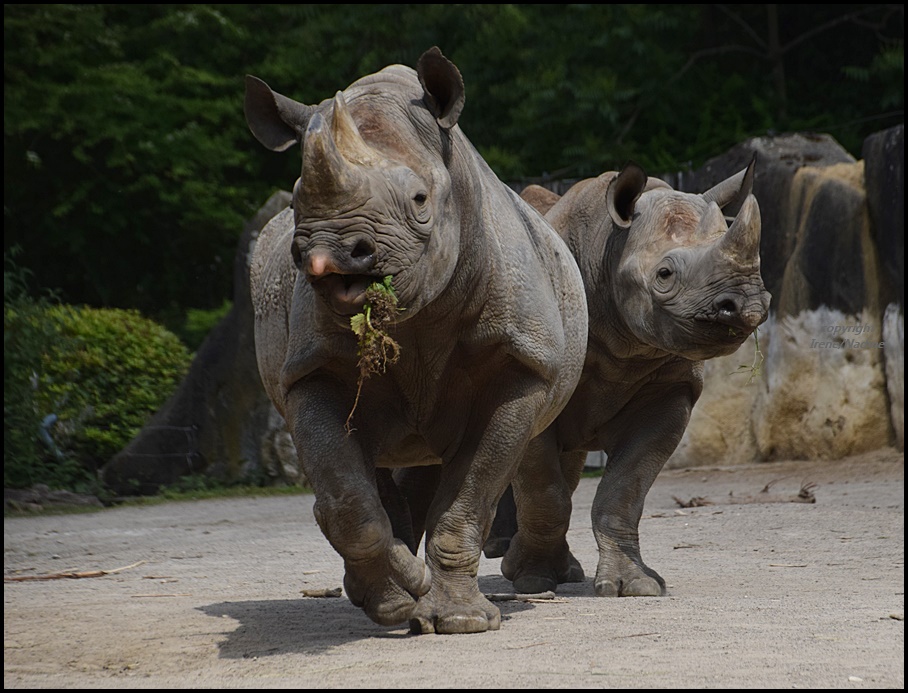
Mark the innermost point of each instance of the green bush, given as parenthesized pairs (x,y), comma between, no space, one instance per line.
(26,331)
(199,322)
(100,372)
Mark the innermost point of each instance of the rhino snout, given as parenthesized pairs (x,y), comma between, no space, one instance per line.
(339,273)
(357,257)
(740,311)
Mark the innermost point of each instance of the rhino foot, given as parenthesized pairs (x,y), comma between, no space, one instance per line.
(447,611)
(628,580)
(387,588)
(533,572)
(496,547)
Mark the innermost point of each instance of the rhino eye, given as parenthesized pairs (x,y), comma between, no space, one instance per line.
(421,210)
(664,273)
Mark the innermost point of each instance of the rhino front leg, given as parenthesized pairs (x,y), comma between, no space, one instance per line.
(382,576)
(538,558)
(459,519)
(643,440)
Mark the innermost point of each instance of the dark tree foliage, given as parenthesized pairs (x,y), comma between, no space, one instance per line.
(128,168)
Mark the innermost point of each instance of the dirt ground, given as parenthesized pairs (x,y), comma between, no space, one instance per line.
(761,595)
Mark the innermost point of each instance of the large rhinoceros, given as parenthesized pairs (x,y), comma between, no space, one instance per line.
(491,332)
(668,285)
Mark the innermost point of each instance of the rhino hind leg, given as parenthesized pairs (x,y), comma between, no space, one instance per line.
(531,573)
(395,504)
(417,487)
(504,526)
(538,558)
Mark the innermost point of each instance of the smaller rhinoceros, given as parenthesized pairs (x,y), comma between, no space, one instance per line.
(668,284)
(489,333)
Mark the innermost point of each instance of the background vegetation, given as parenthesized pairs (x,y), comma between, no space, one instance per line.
(79,383)
(129,170)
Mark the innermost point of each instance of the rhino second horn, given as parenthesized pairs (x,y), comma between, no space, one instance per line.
(349,141)
(742,240)
(326,176)
(731,193)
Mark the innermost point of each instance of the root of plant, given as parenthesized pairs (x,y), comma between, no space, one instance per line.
(375,347)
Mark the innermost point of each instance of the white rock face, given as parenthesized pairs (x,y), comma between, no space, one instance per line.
(822,391)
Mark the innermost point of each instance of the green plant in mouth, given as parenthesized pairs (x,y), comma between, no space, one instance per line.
(375,347)
(754,368)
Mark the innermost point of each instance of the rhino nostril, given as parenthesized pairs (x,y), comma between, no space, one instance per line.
(727,306)
(363,248)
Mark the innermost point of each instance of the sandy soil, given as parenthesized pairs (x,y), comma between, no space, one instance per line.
(761,595)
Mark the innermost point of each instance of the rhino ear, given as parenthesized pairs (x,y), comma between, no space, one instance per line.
(623,192)
(276,121)
(442,84)
(731,193)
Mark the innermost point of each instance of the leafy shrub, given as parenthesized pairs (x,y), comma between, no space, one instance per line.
(26,332)
(199,322)
(101,373)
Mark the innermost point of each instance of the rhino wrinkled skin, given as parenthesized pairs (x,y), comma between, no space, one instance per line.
(668,284)
(492,335)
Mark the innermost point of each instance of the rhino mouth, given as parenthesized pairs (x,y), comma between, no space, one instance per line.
(723,332)
(344,293)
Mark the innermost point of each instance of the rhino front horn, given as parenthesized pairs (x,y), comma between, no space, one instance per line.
(326,175)
(350,142)
(742,240)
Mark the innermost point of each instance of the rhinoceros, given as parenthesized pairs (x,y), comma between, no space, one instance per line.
(668,284)
(489,332)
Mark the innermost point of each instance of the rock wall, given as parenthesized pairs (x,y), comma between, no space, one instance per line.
(831,382)
(884,181)
(824,391)
(219,423)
